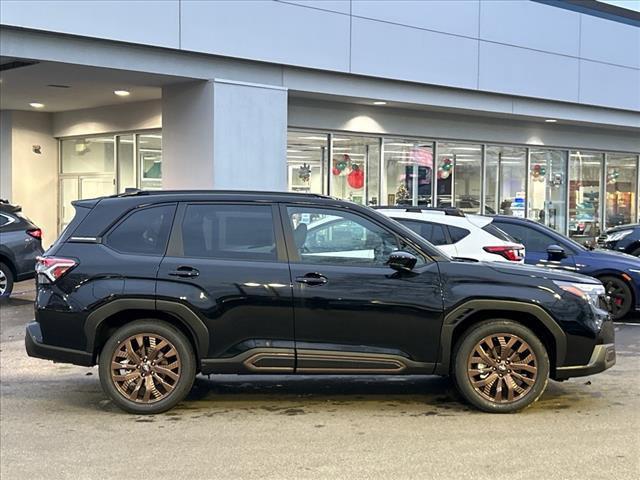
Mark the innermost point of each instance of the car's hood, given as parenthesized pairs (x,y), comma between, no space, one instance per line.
(618,258)
(631,226)
(547,273)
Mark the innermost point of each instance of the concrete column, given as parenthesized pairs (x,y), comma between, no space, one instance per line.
(5,155)
(224,135)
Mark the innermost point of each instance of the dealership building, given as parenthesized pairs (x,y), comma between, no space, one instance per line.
(527,108)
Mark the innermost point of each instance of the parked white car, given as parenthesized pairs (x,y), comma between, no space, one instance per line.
(459,234)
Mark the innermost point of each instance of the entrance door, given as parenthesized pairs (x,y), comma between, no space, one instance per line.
(77,187)
(352,312)
(548,188)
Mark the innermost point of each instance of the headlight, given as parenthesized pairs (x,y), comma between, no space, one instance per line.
(587,291)
(617,236)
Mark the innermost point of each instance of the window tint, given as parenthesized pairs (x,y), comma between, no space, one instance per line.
(457,233)
(340,238)
(533,240)
(432,232)
(497,232)
(5,220)
(242,232)
(144,231)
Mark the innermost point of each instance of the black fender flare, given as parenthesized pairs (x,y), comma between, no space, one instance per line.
(463,311)
(179,311)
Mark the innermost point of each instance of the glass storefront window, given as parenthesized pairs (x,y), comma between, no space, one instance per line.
(548,187)
(355,169)
(585,173)
(87,155)
(408,172)
(459,176)
(505,180)
(126,162)
(150,161)
(306,161)
(621,181)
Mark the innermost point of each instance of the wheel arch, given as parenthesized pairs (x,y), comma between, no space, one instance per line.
(470,313)
(8,261)
(111,316)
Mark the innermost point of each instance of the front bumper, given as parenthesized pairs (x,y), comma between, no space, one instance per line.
(602,358)
(36,348)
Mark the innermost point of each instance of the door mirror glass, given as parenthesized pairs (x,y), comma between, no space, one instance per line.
(556,252)
(402,261)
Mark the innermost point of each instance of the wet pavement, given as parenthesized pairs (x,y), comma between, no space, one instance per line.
(55,422)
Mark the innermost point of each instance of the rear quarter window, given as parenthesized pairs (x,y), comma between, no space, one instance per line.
(145,231)
(457,233)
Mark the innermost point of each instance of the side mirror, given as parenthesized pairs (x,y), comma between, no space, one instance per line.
(402,261)
(556,252)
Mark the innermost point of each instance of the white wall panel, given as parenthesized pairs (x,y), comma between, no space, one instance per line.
(459,17)
(270,31)
(531,25)
(340,6)
(394,51)
(608,85)
(612,42)
(250,137)
(149,22)
(519,71)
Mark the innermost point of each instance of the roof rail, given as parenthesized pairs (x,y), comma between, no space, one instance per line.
(452,211)
(136,191)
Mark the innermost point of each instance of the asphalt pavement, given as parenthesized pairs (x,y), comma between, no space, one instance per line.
(55,422)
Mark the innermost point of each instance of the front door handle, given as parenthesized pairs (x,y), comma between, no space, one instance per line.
(312,279)
(185,271)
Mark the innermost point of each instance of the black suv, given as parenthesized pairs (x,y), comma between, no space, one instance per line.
(20,245)
(158,286)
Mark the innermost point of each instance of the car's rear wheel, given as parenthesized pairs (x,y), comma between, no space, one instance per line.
(147,367)
(619,293)
(6,281)
(500,366)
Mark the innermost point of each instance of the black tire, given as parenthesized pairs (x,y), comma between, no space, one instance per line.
(6,281)
(465,378)
(621,296)
(177,350)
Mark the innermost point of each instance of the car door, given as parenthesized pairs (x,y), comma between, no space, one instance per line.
(352,312)
(536,243)
(227,263)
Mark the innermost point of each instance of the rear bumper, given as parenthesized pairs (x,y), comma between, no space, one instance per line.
(602,358)
(36,348)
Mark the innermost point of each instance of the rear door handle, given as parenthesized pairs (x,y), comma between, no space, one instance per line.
(312,279)
(185,271)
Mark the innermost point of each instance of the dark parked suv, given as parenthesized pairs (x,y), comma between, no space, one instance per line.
(158,286)
(20,245)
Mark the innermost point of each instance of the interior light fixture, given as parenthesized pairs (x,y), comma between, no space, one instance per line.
(379,102)
(314,138)
(36,105)
(122,93)
(551,120)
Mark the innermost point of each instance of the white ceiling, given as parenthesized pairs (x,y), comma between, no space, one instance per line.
(88,86)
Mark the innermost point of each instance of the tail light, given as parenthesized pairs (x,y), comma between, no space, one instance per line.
(512,253)
(35,233)
(50,269)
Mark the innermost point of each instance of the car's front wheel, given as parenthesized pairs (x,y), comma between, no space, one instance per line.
(147,367)
(621,298)
(6,281)
(500,366)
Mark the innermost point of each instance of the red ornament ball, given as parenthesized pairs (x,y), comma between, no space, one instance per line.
(356,179)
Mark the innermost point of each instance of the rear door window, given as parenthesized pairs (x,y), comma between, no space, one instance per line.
(242,232)
(145,231)
(432,232)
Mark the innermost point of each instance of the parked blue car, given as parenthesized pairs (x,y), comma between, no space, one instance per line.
(619,272)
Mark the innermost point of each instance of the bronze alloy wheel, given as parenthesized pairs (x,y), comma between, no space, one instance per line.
(502,368)
(145,368)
